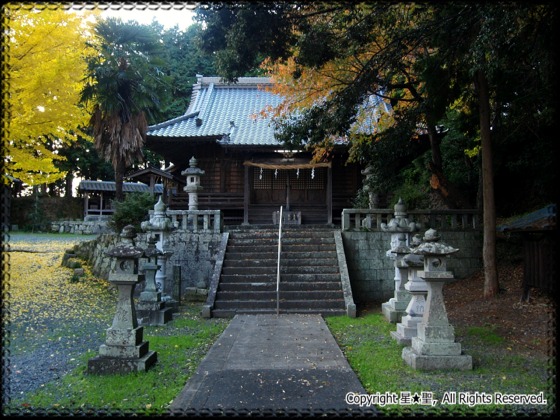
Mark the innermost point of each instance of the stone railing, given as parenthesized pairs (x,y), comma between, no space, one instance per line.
(196,220)
(443,220)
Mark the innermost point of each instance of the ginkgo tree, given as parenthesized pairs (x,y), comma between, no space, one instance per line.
(43,53)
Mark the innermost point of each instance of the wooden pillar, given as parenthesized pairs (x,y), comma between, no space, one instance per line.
(246,193)
(86,204)
(101,204)
(152,184)
(329,195)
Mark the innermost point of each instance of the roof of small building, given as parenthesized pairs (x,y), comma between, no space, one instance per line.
(540,220)
(227,112)
(128,187)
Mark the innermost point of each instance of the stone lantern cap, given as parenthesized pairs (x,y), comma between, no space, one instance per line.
(414,260)
(126,249)
(193,169)
(432,246)
(401,247)
(151,250)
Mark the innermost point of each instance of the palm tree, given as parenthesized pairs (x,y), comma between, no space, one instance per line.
(124,84)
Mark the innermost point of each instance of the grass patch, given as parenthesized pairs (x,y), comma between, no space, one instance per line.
(181,345)
(376,358)
(486,334)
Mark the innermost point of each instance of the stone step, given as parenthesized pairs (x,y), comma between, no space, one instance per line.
(229,313)
(284,285)
(285,262)
(271,270)
(273,242)
(285,295)
(285,304)
(309,274)
(285,278)
(285,255)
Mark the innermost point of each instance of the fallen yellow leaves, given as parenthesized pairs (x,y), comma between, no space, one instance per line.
(39,288)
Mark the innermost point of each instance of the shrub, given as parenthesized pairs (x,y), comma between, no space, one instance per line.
(132,211)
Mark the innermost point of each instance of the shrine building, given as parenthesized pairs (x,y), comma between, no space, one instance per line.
(247,174)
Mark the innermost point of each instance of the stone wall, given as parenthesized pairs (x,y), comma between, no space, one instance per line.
(195,253)
(372,271)
(81,227)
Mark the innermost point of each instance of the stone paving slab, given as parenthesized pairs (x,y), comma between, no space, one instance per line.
(270,362)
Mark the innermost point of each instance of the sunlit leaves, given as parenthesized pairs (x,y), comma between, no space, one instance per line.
(44,55)
(40,289)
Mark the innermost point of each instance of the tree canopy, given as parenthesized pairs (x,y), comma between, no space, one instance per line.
(485,69)
(43,54)
(125,84)
(335,59)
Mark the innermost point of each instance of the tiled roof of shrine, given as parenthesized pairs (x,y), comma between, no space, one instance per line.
(226,112)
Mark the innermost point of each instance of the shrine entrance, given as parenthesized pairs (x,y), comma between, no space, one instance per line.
(301,187)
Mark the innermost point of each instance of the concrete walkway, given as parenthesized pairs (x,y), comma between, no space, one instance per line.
(272,363)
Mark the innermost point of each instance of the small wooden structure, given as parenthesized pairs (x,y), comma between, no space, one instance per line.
(99,195)
(539,234)
(169,183)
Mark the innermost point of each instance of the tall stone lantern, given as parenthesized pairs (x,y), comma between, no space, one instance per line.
(160,225)
(395,307)
(150,308)
(416,286)
(373,196)
(124,349)
(434,347)
(193,187)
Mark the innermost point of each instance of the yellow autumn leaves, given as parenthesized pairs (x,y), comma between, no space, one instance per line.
(40,290)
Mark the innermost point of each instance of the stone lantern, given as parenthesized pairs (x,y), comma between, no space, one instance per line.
(150,309)
(124,349)
(193,187)
(373,196)
(395,307)
(416,286)
(160,225)
(434,347)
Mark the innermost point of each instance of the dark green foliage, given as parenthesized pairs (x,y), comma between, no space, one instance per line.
(184,61)
(241,35)
(430,54)
(132,211)
(414,184)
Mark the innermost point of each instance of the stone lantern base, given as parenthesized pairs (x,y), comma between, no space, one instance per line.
(395,308)
(133,355)
(153,313)
(114,365)
(408,327)
(435,362)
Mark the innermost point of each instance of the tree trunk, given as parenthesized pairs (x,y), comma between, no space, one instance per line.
(491,284)
(68,187)
(119,180)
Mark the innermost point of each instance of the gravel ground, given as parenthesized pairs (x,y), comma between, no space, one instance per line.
(51,322)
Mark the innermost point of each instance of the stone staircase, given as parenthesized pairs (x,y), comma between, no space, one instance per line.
(310,279)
